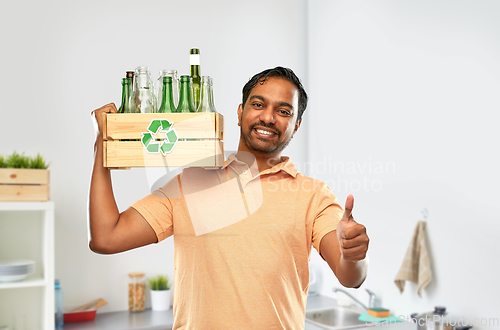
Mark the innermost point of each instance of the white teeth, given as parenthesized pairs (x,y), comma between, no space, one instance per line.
(264,132)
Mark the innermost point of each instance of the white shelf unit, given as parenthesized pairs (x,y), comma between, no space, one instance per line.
(27,232)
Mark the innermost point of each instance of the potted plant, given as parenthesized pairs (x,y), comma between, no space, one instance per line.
(23,178)
(160,292)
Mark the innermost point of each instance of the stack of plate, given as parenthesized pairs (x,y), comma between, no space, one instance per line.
(16,270)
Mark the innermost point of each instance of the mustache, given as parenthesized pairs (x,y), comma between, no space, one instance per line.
(271,126)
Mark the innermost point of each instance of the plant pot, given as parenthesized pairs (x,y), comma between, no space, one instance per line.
(160,300)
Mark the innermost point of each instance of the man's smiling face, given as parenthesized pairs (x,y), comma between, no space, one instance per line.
(268,119)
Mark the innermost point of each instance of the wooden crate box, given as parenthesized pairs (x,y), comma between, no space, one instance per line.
(18,184)
(163,140)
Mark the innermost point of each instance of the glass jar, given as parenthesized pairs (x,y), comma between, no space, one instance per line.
(136,292)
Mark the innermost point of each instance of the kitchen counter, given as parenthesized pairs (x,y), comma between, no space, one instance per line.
(154,320)
(124,320)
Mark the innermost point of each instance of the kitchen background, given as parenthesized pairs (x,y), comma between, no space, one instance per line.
(403,114)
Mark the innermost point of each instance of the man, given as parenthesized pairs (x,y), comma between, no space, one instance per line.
(242,234)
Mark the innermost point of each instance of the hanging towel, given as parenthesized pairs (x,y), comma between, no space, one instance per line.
(416,266)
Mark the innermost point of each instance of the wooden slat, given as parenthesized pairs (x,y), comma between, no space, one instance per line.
(186,125)
(23,176)
(219,126)
(186,153)
(17,193)
(104,125)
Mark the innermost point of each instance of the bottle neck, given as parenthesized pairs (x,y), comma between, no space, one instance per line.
(195,71)
(204,97)
(167,101)
(185,102)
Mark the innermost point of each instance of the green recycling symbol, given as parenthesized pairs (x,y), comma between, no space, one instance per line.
(153,146)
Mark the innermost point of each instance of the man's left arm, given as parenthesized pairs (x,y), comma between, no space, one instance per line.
(345,249)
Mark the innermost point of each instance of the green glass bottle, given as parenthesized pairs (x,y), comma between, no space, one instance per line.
(194,61)
(125,106)
(185,101)
(167,99)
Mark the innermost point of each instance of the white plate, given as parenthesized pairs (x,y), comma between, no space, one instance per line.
(12,278)
(17,267)
(16,263)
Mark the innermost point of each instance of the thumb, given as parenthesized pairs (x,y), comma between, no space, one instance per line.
(349,205)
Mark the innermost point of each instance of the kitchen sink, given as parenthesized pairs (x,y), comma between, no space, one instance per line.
(336,318)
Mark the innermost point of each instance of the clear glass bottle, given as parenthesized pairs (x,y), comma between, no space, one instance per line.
(194,61)
(206,103)
(175,86)
(125,106)
(185,101)
(211,87)
(143,96)
(136,292)
(130,74)
(58,308)
(167,103)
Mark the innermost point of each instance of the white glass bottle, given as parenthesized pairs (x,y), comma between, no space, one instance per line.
(175,86)
(143,95)
(206,103)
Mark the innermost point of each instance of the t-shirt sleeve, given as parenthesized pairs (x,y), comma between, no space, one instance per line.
(328,214)
(158,208)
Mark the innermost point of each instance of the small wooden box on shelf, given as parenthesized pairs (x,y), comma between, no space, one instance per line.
(163,140)
(27,185)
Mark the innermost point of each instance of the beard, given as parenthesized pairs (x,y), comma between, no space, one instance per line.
(263,146)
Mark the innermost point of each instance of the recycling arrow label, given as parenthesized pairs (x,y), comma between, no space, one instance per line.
(154,146)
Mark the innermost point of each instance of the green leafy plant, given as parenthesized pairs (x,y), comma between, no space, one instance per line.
(17,161)
(38,162)
(159,283)
(21,161)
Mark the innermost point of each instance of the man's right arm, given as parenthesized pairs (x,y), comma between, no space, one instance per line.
(112,232)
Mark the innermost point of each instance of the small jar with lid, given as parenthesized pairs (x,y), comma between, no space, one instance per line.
(136,292)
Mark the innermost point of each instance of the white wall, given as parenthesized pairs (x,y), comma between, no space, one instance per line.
(63,59)
(411,88)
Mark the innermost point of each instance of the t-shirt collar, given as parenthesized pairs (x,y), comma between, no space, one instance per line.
(284,165)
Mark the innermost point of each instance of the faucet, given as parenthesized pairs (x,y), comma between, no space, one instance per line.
(373,298)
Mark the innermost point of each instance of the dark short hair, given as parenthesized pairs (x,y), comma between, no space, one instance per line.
(278,72)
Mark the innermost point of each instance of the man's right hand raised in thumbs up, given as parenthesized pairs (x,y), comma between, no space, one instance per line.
(345,249)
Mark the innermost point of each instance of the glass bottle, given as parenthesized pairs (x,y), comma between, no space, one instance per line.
(58,299)
(143,97)
(211,94)
(206,99)
(185,101)
(167,103)
(125,106)
(194,61)
(136,292)
(130,74)
(175,86)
